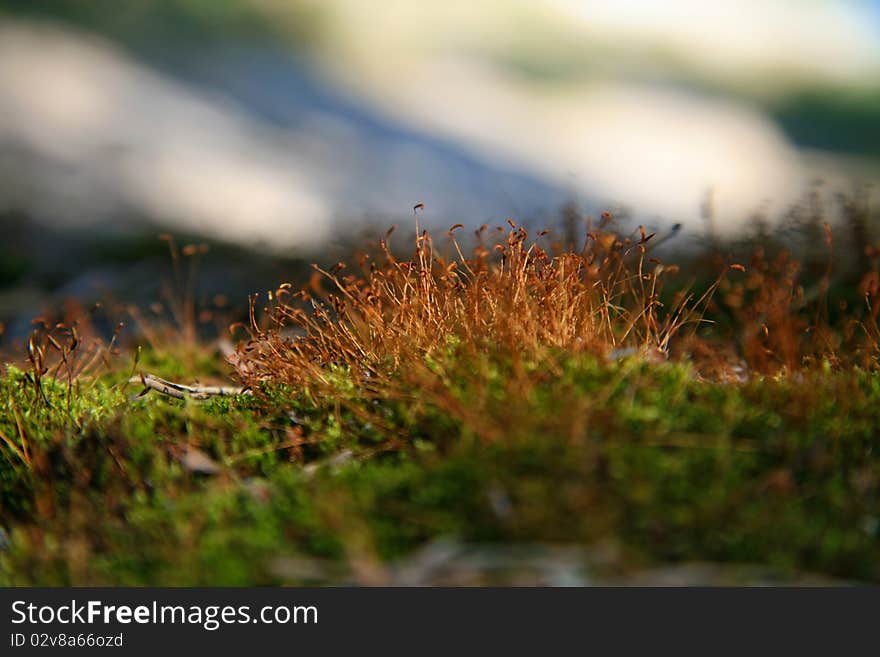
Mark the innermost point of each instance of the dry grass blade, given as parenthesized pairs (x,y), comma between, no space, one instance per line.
(20,453)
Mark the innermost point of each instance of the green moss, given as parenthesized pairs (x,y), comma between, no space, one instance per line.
(775,472)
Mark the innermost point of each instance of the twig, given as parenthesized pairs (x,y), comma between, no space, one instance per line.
(180,391)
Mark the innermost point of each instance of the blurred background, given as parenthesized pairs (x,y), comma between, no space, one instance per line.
(276,130)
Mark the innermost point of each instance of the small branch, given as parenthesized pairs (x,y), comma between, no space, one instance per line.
(180,391)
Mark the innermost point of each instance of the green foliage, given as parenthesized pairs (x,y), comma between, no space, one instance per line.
(778,472)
